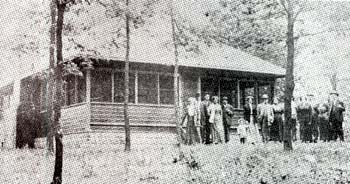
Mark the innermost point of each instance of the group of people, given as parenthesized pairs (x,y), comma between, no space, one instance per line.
(320,121)
(209,121)
(316,121)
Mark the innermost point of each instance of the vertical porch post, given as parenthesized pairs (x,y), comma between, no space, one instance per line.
(75,89)
(256,92)
(199,85)
(112,77)
(180,88)
(219,92)
(272,84)
(238,94)
(136,87)
(158,89)
(88,86)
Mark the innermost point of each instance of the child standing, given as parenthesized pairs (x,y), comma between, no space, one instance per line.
(242,130)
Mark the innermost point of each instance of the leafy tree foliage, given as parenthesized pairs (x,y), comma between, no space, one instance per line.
(253,26)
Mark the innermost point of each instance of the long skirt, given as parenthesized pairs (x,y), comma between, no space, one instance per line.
(254,136)
(275,130)
(307,131)
(217,130)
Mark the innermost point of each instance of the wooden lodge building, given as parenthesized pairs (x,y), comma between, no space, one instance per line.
(94,101)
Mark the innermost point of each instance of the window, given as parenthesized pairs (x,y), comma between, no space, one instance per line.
(166,89)
(148,88)
(119,87)
(101,86)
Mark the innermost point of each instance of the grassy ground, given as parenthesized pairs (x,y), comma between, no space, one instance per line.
(100,158)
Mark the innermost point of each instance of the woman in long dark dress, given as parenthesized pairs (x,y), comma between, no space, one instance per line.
(304,113)
(277,125)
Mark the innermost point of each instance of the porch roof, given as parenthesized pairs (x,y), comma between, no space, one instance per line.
(217,57)
(152,43)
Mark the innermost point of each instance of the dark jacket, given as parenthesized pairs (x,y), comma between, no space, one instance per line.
(336,111)
(248,112)
(228,112)
(204,112)
(304,112)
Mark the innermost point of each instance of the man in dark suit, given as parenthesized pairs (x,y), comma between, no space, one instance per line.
(336,117)
(250,110)
(228,111)
(204,116)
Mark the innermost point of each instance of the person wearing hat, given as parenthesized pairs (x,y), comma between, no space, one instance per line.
(265,117)
(227,117)
(336,117)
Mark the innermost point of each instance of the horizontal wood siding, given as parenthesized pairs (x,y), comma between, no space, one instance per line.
(75,119)
(140,115)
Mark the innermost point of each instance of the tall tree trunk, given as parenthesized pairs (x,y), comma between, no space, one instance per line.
(334,80)
(57,177)
(126,82)
(176,77)
(287,142)
(51,81)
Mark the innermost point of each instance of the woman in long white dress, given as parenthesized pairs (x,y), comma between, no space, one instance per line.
(215,120)
(250,113)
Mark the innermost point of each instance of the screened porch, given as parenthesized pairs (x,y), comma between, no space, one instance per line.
(95,100)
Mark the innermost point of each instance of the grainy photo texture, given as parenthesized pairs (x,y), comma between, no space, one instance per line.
(174,91)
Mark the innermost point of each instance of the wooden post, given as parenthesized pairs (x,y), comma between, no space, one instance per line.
(256,92)
(158,89)
(88,85)
(238,94)
(199,85)
(136,87)
(75,89)
(219,92)
(180,97)
(272,84)
(112,77)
